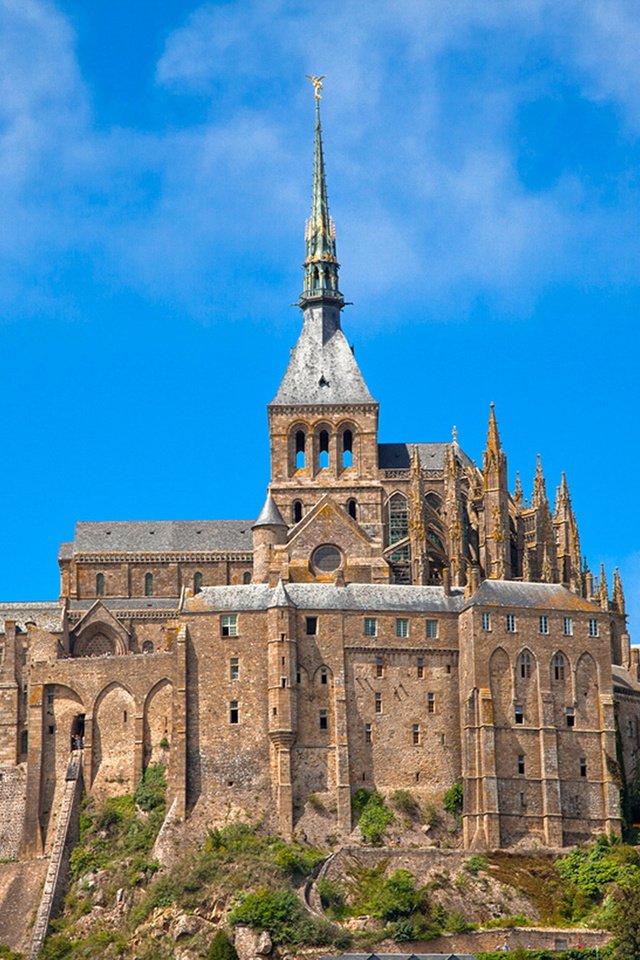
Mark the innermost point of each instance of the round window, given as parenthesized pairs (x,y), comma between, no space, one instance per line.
(326,558)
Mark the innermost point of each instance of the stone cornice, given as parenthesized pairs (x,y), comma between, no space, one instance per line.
(167,557)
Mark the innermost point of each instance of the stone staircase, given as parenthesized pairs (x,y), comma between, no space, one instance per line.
(59,861)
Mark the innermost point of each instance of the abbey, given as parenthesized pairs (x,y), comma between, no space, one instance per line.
(394,618)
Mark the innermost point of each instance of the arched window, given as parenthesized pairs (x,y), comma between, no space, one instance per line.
(301,442)
(147,646)
(246,577)
(296,511)
(398,518)
(323,451)
(352,507)
(558,666)
(434,501)
(197,582)
(100,585)
(524,665)
(347,448)
(148,584)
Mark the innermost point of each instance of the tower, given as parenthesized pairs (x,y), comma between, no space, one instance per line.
(323,421)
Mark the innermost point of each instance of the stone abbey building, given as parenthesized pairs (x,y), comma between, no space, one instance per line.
(395,617)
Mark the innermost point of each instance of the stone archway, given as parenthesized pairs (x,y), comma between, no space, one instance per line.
(113,746)
(158,723)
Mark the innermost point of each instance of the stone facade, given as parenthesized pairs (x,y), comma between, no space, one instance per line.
(396,618)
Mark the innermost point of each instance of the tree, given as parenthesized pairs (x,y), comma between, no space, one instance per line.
(625,924)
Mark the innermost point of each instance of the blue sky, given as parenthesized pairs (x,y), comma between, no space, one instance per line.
(155,165)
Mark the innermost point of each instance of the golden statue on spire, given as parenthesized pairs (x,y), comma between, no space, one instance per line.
(317,85)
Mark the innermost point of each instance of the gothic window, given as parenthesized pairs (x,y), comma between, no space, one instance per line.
(434,502)
(197,582)
(296,511)
(398,518)
(100,585)
(347,449)
(558,666)
(352,507)
(323,449)
(148,584)
(435,539)
(300,446)
(524,665)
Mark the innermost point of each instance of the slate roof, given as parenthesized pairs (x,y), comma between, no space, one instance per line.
(269,516)
(163,536)
(624,681)
(513,593)
(326,596)
(46,615)
(322,368)
(397,456)
(127,603)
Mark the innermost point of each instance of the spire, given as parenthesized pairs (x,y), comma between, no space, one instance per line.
(618,592)
(493,437)
(604,589)
(518,495)
(321,263)
(539,496)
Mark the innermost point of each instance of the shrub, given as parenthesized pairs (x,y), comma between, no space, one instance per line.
(399,896)
(375,819)
(221,948)
(359,800)
(274,910)
(452,800)
(152,789)
(405,803)
(332,897)
(475,864)
(316,803)
(431,815)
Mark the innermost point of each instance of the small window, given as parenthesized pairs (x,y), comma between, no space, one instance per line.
(367,733)
(567,626)
(298,677)
(246,577)
(486,621)
(324,676)
(521,763)
(283,682)
(570,716)
(378,703)
(415,734)
(583,766)
(510,623)
(352,508)
(524,664)
(370,627)
(100,585)
(379,667)
(431,702)
(311,626)
(324,720)
(347,450)
(518,712)
(323,458)
(234,712)
(420,668)
(24,741)
(558,667)
(234,668)
(147,646)
(301,442)
(197,582)
(50,699)
(432,629)
(51,729)
(402,627)
(296,511)
(229,624)
(544,624)
(594,627)
(148,584)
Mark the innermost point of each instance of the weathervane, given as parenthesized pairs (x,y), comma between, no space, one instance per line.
(317,85)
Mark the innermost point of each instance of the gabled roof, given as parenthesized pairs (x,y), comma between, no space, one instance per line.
(397,456)
(171,536)
(45,615)
(322,368)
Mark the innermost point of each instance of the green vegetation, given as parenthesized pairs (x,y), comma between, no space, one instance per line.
(476,863)
(221,948)
(6,953)
(373,815)
(452,800)
(404,802)
(625,923)
(281,913)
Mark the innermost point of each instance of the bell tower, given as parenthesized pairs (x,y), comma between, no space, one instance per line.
(323,421)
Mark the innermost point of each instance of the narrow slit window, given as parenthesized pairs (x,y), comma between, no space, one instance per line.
(518,714)
(367,733)
(378,702)
(301,443)
(431,702)
(323,449)
(486,621)
(521,764)
(100,585)
(570,716)
(420,668)
(324,720)
(415,734)
(148,584)
(324,676)
(234,668)
(296,512)
(347,449)
(544,624)
(197,582)
(379,667)
(234,711)
(352,508)
(583,766)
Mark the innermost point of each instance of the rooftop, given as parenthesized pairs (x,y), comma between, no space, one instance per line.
(163,536)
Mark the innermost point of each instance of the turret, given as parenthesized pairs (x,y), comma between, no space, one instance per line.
(268,531)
